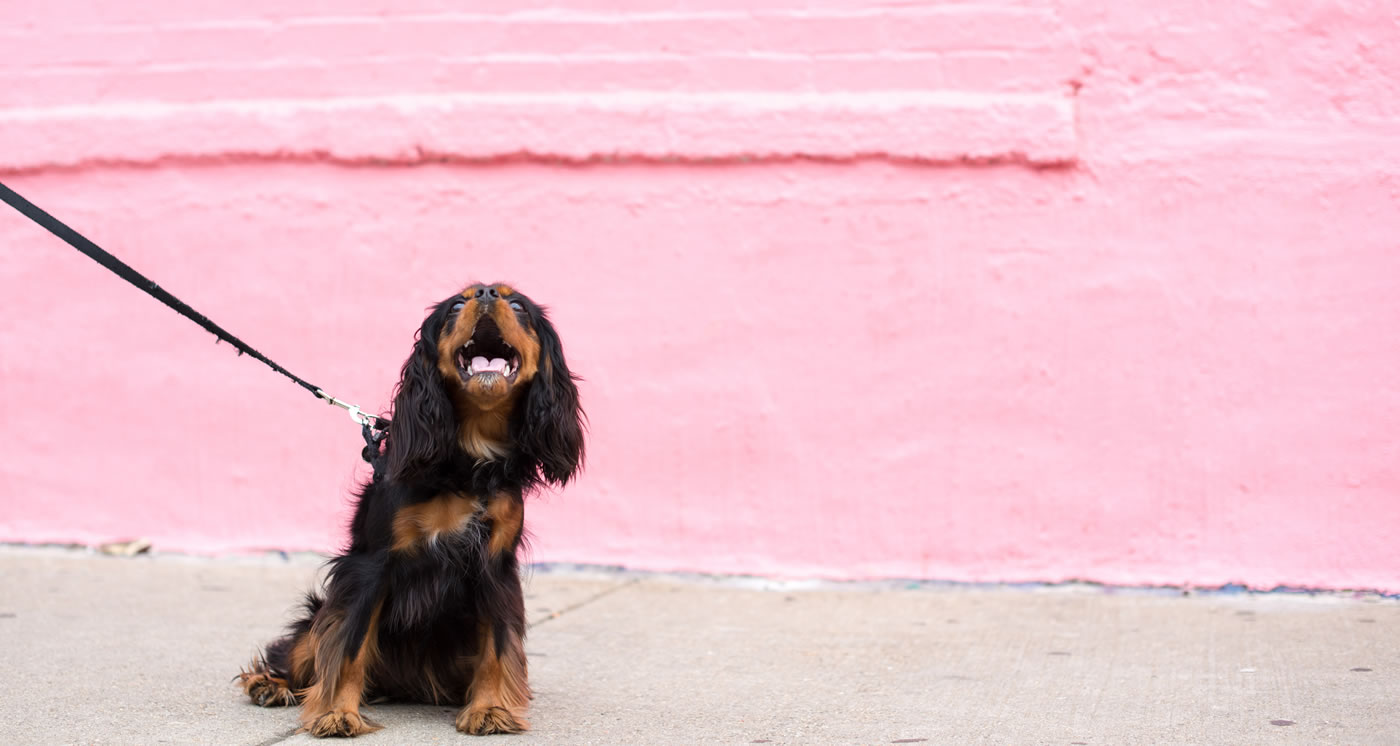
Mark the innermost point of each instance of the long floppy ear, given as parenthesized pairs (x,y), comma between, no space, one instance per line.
(549,427)
(423,428)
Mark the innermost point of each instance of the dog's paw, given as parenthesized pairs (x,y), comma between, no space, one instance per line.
(484,721)
(340,724)
(266,690)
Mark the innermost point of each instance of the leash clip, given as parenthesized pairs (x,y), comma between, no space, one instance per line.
(373,428)
(356,414)
(360,417)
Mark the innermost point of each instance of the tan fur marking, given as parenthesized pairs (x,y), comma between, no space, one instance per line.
(468,311)
(326,655)
(507,515)
(500,690)
(486,435)
(417,524)
(263,687)
(352,680)
(302,661)
(521,338)
(332,704)
(341,724)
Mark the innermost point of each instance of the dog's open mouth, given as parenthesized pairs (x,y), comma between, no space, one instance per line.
(487,354)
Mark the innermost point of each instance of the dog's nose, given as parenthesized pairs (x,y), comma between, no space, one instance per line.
(487,294)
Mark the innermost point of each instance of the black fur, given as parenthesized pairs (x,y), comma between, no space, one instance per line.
(431,600)
(549,427)
(424,425)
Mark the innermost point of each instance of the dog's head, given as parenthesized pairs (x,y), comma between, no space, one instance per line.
(487,376)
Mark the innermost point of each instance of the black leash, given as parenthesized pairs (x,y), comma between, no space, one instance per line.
(372,427)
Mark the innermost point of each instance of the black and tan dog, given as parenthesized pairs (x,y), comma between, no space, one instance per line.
(425,605)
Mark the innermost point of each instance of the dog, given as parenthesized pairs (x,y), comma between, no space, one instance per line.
(426,603)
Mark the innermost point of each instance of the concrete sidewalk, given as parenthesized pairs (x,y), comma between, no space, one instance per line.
(141,651)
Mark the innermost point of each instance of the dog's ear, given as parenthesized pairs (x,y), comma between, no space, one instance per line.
(549,427)
(423,427)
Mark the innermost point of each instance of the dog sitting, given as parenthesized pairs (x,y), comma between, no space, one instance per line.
(426,603)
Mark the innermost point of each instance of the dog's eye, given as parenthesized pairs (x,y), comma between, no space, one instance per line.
(457,306)
(515,305)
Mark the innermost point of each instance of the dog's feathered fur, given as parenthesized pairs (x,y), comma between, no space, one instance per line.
(425,605)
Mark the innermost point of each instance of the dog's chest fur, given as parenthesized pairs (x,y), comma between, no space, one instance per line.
(455,516)
(425,524)
(439,543)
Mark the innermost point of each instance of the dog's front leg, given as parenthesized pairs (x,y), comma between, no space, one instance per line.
(500,690)
(345,636)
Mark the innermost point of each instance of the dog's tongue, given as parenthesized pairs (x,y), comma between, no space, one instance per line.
(495,364)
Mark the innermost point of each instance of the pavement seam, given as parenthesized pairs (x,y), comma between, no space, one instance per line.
(278,739)
(584,602)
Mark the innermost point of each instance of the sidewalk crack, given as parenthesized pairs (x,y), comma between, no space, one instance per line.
(584,602)
(279,739)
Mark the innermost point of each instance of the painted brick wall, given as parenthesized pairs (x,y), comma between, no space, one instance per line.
(1027,290)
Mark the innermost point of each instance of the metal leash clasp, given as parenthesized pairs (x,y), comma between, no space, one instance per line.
(360,417)
(373,428)
(356,414)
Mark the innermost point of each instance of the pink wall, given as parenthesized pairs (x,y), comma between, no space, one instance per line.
(1028,291)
